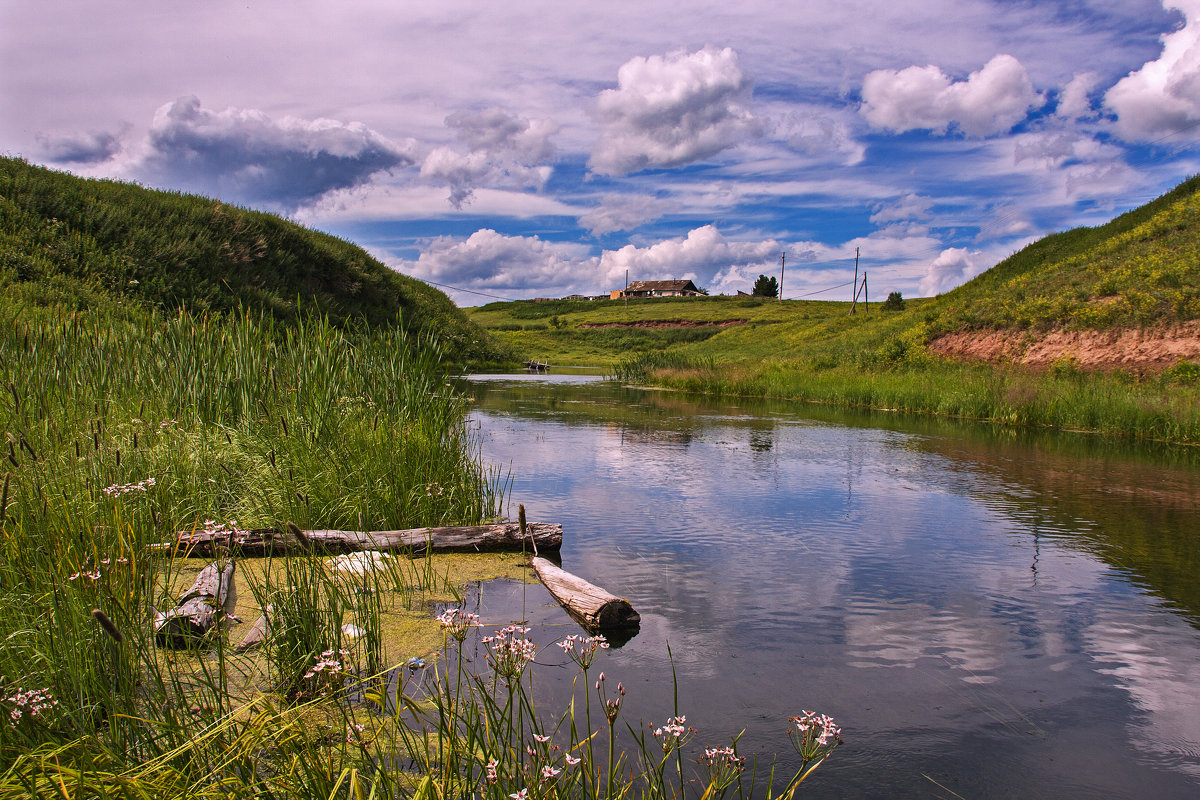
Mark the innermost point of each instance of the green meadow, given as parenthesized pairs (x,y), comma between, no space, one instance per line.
(1140,271)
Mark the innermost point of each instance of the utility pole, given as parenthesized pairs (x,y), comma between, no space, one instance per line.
(626,292)
(782,261)
(866,305)
(854,299)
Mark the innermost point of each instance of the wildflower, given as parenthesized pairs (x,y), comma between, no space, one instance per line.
(510,651)
(612,708)
(549,773)
(588,645)
(673,735)
(723,765)
(118,489)
(33,702)
(492,777)
(814,735)
(519,795)
(457,623)
(541,738)
(571,760)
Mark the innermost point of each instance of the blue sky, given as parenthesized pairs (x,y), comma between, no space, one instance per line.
(527,149)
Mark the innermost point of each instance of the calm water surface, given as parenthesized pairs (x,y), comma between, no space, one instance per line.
(1003,613)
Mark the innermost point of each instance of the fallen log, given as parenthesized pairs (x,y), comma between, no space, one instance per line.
(499,537)
(592,607)
(211,597)
(258,632)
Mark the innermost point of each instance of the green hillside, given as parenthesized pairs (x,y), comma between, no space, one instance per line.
(69,241)
(1143,268)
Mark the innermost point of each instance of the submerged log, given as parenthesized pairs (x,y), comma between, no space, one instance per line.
(592,607)
(500,537)
(211,597)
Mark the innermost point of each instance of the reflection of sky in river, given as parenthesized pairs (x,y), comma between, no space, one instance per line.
(872,574)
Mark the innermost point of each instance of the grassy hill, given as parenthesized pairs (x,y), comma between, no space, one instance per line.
(1140,272)
(77,243)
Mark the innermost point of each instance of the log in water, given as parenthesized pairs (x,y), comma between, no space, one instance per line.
(199,609)
(499,537)
(591,606)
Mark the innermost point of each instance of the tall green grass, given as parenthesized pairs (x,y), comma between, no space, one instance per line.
(900,377)
(120,431)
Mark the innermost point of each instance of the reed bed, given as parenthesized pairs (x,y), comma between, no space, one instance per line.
(900,377)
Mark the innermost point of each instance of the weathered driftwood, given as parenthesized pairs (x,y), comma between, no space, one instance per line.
(258,632)
(211,597)
(503,536)
(591,606)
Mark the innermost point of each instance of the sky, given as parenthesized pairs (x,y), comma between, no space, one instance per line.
(539,149)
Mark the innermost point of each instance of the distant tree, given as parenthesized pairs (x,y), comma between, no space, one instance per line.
(765,287)
(894,302)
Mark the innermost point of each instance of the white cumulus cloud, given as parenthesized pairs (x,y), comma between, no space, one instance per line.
(242,155)
(504,152)
(1074,102)
(699,256)
(491,260)
(988,102)
(952,267)
(1163,96)
(672,110)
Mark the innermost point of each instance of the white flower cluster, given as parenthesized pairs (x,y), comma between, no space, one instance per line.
(588,645)
(509,650)
(458,623)
(118,489)
(32,702)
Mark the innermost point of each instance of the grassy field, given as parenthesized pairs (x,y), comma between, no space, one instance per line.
(1141,270)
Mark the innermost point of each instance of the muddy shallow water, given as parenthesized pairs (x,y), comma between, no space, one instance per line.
(986,612)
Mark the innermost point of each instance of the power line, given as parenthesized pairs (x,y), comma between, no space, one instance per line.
(468,291)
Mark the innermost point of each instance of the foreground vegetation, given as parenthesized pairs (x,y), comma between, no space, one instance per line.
(1141,270)
(153,379)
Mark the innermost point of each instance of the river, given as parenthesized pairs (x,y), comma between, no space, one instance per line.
(986,612)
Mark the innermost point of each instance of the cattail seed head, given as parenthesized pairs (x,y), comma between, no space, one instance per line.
(108,626)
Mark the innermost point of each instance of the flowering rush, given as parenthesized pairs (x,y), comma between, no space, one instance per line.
(814,735)
(723,765)
(457,623)
(674,733)
(509,651)
(328,664)
(587,647)
(118,489)
(33,702)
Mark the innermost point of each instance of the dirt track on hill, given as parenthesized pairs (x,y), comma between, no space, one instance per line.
(1139,350)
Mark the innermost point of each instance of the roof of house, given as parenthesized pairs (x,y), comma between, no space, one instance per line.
(662,286)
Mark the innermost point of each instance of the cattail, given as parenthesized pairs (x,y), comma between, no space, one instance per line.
(295,530)
(4,499)
(283,422)
(521,518)
(118,458)
(12,455)
(271,458)
(108,626)
(135,440)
